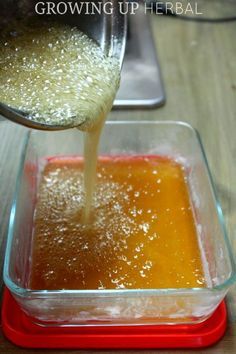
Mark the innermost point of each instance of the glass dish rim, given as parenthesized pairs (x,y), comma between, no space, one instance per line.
(25,292)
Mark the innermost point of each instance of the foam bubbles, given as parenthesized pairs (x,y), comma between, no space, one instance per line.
(56,74)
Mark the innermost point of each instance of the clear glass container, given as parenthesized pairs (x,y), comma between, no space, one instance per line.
(110,307)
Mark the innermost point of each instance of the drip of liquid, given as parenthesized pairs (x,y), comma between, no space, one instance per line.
(59,76)
(141,234)
(90,157)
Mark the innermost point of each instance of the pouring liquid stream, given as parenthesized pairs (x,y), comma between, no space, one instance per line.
(91,142)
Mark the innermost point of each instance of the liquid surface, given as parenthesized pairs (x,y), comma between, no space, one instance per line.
(141,233)
(56,74)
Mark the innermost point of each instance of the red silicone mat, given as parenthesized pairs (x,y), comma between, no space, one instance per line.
(21,331)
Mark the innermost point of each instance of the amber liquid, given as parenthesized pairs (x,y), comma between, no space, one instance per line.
(141,232)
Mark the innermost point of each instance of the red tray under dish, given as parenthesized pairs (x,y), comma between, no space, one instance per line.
(18,328)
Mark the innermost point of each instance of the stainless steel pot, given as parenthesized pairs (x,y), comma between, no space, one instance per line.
(107,27)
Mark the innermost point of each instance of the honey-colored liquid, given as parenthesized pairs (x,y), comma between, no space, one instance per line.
(141,232)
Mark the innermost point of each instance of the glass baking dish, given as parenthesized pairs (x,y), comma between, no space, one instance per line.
(115,307)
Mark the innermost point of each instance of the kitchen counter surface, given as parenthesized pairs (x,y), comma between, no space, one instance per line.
(199,72)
